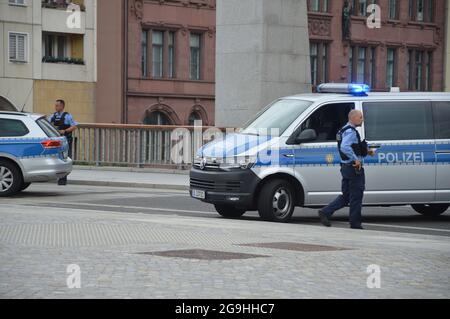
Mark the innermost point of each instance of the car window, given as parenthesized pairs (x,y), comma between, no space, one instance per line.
(441,112)
(328,120)
(47,127)
(398,120)
(12,128)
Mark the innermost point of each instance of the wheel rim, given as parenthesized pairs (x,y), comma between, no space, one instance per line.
(6,179)
(281,202)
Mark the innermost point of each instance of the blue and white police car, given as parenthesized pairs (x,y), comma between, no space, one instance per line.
(31,150)
(298,165)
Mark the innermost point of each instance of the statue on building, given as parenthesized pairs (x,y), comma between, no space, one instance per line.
(346,20)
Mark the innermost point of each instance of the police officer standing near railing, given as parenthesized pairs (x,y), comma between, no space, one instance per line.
(352,151)
(66,125)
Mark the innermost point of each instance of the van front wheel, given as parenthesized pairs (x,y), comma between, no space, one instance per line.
(228,211)
(431,210)
(276,201)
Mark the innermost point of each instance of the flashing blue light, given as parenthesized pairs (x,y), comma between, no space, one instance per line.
(359,89)
(346,88)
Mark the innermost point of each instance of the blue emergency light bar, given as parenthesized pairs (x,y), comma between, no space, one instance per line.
(346,88)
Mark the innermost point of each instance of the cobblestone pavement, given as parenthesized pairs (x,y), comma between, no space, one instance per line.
(116,254)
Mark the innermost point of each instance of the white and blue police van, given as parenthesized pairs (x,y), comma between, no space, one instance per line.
(31,150)
(299,165)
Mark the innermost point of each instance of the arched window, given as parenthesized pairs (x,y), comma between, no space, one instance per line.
(157,118)
(195,116)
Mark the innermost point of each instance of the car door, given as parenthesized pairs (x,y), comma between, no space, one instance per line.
(441,113)
(317,163)
(403,168)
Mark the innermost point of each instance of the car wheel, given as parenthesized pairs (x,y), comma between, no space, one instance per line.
(229,211)
(10,179)
(431,210)
(25,186)
(276,201)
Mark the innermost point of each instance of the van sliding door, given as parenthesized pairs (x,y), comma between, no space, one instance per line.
(403,168)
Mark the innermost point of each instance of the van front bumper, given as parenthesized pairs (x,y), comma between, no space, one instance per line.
(234,187)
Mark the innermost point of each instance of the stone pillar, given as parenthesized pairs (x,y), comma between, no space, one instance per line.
(262,53)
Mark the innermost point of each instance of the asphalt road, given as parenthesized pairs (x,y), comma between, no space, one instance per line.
(150,201)
(113,199)
(147,243)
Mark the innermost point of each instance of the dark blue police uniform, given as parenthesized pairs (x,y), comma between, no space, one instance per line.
(351,148)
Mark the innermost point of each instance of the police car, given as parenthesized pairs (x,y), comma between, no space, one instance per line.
(298,165)
(31,150)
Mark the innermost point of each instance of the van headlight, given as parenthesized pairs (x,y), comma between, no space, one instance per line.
(243,162)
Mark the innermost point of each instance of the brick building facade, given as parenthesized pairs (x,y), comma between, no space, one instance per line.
(156,58)
(407,51)
(156,61)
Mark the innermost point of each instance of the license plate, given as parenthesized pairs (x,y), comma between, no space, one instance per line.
(198,194)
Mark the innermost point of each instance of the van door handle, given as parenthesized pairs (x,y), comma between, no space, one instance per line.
(288,155)
(374,145)
(443,152)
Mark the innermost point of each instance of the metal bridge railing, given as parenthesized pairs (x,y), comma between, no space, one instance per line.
(139,145)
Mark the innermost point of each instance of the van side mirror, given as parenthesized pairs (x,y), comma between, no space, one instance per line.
(307,135)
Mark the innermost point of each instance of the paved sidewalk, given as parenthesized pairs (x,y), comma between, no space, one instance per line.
(130,255)
(140,178)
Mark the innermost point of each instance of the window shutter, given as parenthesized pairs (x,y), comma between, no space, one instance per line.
(12,46)
(21,48)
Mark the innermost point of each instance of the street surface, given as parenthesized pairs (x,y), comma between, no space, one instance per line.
(154,243)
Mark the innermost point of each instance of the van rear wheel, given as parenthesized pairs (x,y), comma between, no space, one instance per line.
(276,201)
(229,211)
(431,210)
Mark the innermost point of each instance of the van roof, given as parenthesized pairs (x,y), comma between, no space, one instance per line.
(323,97)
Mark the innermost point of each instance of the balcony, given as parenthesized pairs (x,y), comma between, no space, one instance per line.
(62,4)
(56,17)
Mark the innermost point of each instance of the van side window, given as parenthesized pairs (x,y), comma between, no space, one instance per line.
(441,112)
(328,120)
(12,128)
(398,120)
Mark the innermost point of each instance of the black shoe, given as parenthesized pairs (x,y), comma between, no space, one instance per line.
(324,219)
(62,182)
(356,227)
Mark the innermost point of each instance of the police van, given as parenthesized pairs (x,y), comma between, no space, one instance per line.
(299,165)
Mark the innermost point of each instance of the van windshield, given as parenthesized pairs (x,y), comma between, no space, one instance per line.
(278,116)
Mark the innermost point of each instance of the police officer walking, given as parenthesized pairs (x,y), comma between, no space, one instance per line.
(65,124)
(352,151)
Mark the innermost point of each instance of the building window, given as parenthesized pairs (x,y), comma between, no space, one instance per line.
(319,62)
(157,118)
(18,47)
(194,117)
(55,46)
(161,54)
(144,53)
(421,10)
(318,5)
(419,70)
(171,73)
(195,45)
(391,68)
(359,7)
(157,53)
(362,65)
(393,9)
